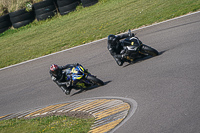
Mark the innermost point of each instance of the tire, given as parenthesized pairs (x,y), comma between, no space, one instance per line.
(45,10)
(62,3)
(4,23)
(4,18)
(95,80)
(45,16)
(22,17)
(148,50)
(68,8)
(87,3)
(3,29)
(17,13)
(43,4)
(22,23)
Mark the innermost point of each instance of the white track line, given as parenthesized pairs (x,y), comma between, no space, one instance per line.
(97,41)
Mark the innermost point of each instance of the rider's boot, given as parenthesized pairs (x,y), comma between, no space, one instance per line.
(119,61)
(67,91)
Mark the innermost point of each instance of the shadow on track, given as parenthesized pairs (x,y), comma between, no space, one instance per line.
(89,88)
(143,59)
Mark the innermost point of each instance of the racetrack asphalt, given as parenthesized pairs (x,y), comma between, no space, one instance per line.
(166,87)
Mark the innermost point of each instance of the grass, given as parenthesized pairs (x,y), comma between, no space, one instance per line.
(8,6)
(85,25)
(50,124)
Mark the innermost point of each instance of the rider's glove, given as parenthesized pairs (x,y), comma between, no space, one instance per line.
(53,78)
(76,64)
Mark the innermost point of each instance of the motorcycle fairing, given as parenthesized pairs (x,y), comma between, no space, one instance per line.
(77,73)
(133,41)
(79,76)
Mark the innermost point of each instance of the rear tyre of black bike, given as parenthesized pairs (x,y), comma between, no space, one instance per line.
(95,80)
(146,50)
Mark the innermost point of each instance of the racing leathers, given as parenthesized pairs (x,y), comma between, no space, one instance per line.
(60,79)
(115,47)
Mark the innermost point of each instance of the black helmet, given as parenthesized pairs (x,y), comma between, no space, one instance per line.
(55,70)
(111,39)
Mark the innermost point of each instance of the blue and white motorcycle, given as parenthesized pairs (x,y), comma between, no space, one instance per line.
(81,78)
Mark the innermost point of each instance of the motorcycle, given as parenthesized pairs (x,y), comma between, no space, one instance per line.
(81,78)
(133,48)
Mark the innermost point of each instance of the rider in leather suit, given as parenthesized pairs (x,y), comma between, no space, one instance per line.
(115,47)
(58,76)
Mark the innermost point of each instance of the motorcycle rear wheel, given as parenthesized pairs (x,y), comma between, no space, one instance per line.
(95,80)
(146,50)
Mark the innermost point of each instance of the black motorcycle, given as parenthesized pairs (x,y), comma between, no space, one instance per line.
(133,48)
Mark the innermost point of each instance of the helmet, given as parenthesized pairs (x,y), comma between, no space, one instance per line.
(111,39)
(55,70)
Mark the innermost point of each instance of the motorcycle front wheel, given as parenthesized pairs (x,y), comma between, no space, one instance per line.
(146,50)
(95,80)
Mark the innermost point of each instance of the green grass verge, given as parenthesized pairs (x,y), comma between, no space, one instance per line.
(50,124)
(85,25)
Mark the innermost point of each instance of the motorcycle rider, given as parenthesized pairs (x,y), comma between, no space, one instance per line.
(58,76)
(115,47)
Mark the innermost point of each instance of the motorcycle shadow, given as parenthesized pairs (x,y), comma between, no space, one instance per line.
(81,90)
(138,60)
(142,59)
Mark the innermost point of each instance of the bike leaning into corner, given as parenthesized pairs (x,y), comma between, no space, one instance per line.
(73,76)
(128,49)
